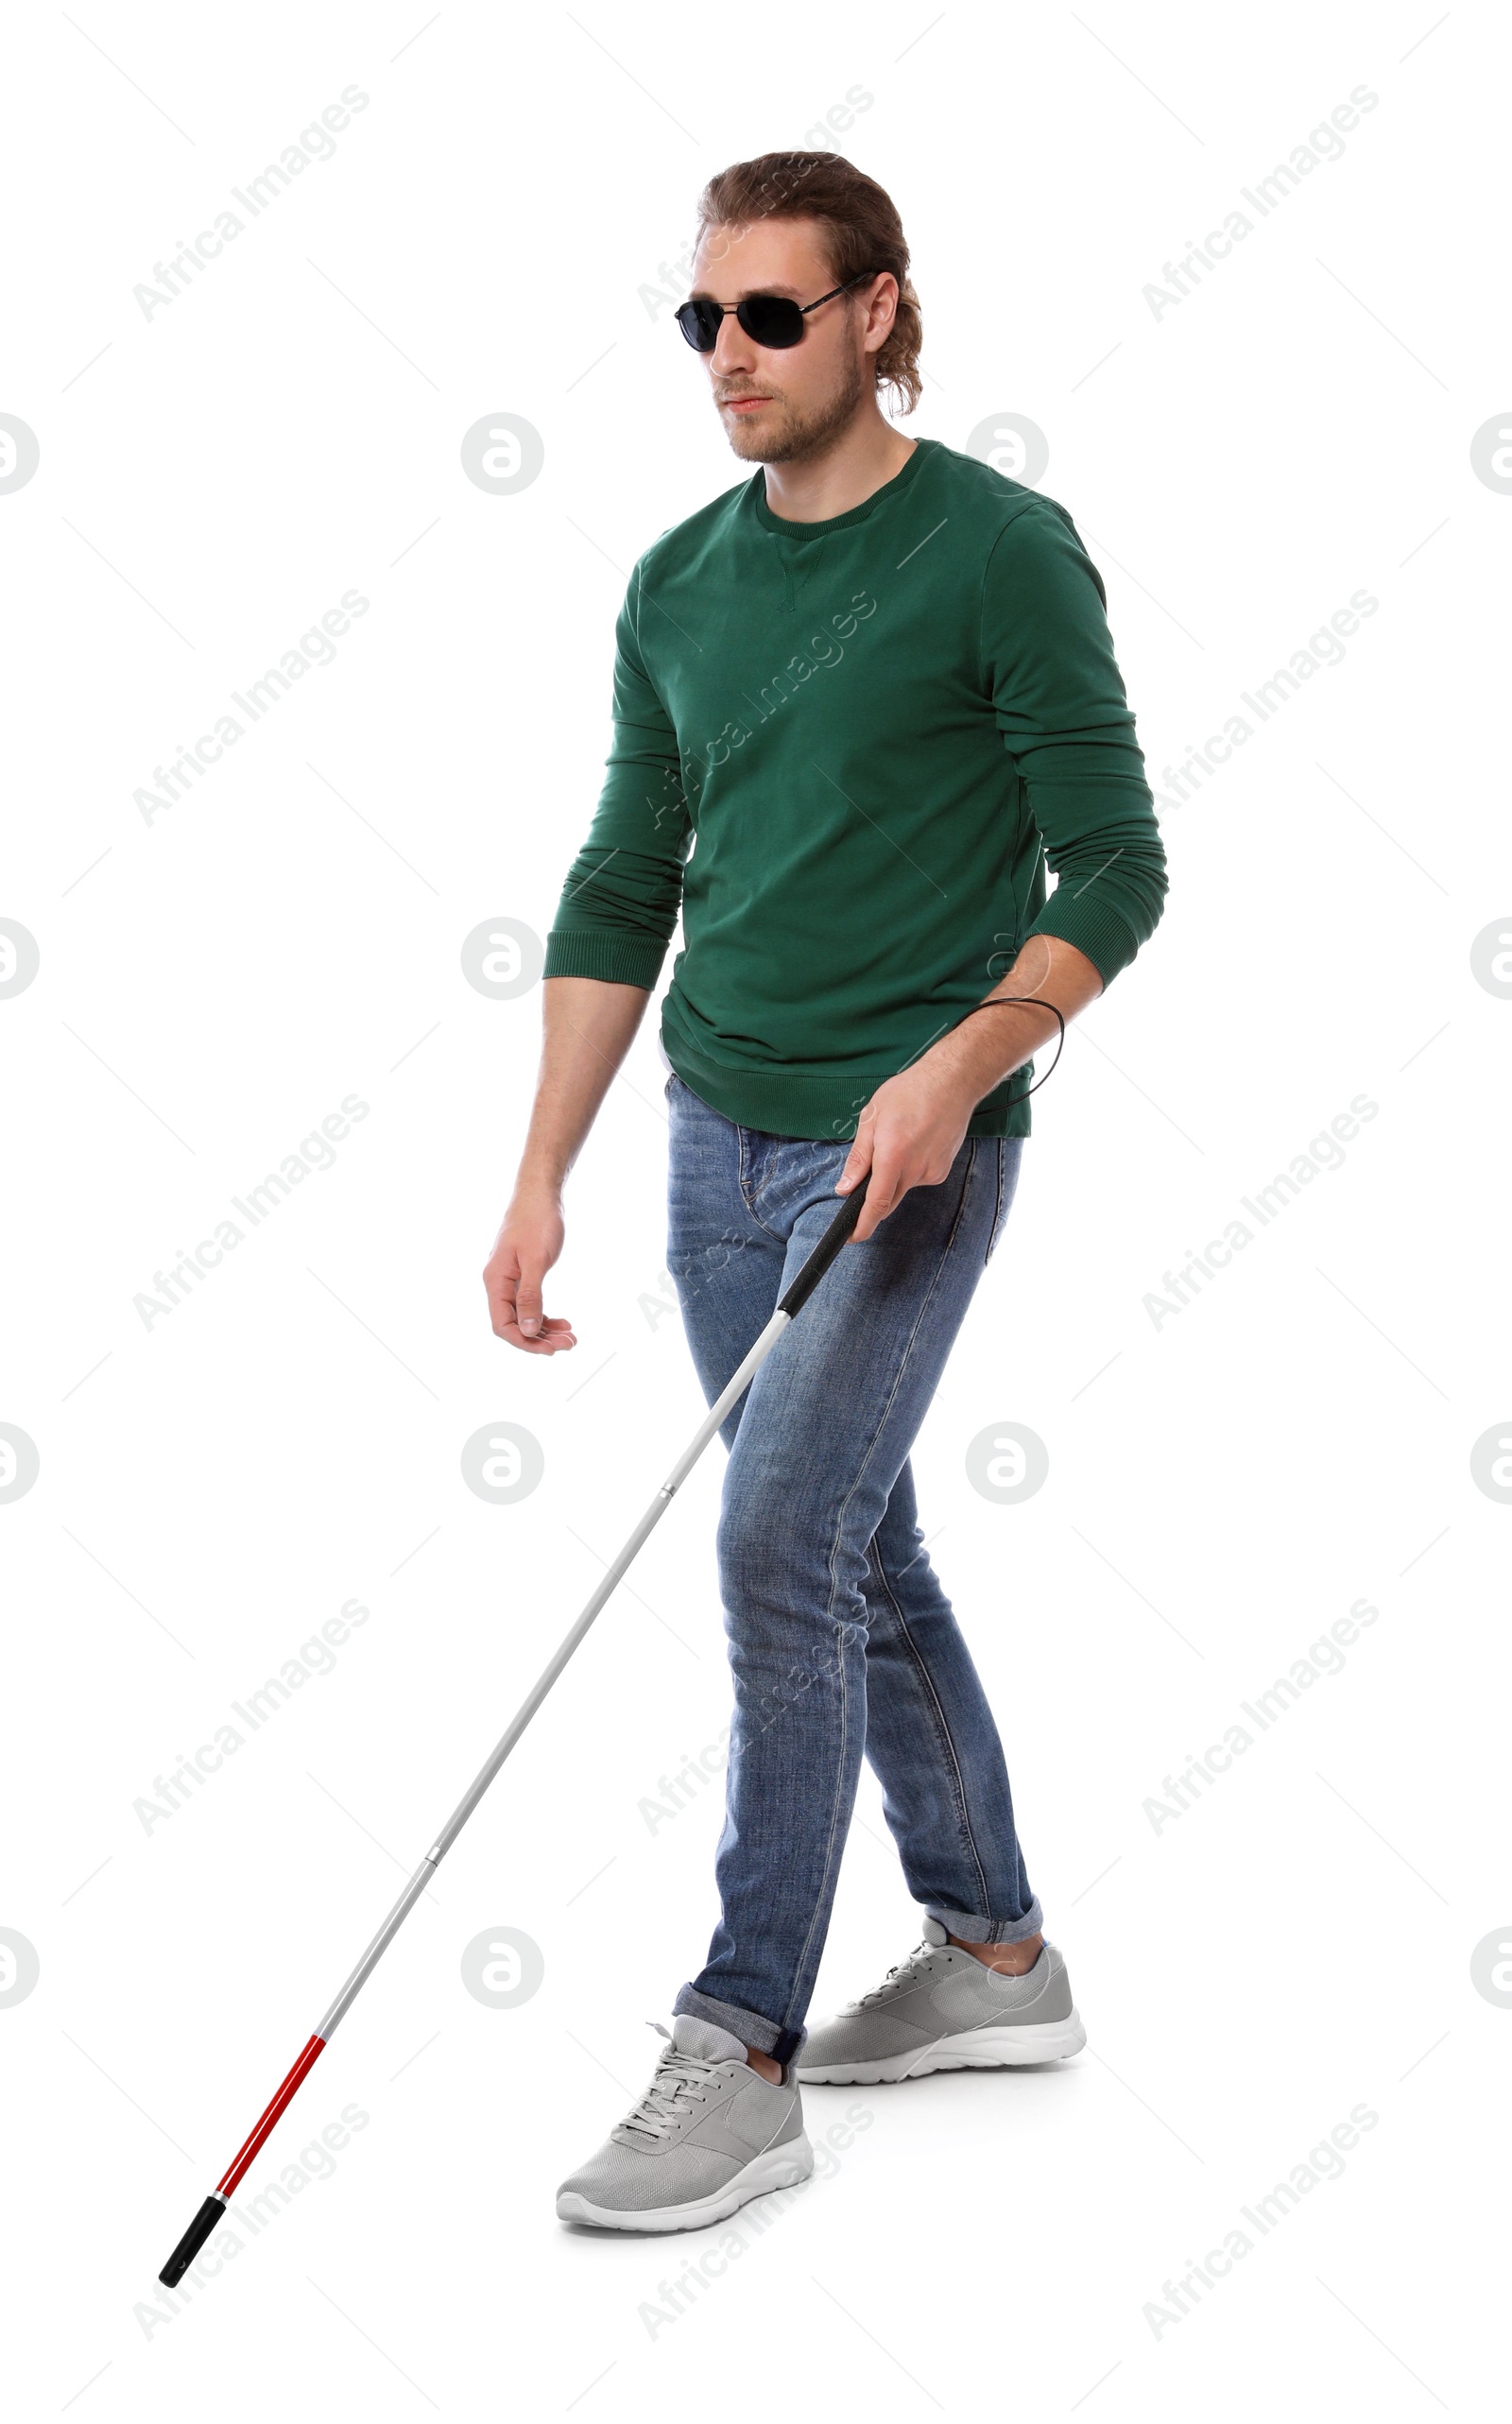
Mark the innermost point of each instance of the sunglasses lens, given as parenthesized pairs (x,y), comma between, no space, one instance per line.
(699,324)
(771,319)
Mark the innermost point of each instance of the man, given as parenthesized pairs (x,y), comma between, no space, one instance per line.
(858,701)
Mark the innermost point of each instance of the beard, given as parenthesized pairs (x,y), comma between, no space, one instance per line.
(793,436)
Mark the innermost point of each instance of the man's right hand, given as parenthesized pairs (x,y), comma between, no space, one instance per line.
(530,1238)
(587,1029)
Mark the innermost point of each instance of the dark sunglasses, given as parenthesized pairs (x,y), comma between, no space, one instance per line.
(772,320)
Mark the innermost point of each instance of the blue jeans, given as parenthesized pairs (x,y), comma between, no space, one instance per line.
(841,1640)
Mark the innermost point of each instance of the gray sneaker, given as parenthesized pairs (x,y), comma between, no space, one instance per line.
(708,2135)
(944,2010)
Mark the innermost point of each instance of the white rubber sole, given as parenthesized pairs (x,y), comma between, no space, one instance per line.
(781,2167)
(976,2048)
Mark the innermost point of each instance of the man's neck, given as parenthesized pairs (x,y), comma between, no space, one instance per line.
(859,462)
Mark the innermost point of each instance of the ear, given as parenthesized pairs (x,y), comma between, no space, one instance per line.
(883,311)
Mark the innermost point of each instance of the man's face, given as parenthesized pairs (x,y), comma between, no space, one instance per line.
(781,405)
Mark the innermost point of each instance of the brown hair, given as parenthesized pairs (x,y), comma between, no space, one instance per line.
(861,231)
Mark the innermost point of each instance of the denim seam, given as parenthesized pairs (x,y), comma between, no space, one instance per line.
(746,1180)
(997,1209)
(839,1521)
(962,1812)
(834,1840)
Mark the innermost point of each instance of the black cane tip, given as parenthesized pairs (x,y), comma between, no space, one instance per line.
(193,2240)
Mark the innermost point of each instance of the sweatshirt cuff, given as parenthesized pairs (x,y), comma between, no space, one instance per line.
(1105,936)
(614,957)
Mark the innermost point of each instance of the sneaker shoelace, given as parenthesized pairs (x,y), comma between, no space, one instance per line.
(680,2079)
(902,1973)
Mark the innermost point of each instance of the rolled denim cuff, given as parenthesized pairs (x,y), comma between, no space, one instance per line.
(972,1927)
(751,2029)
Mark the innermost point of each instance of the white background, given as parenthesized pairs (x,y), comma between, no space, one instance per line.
(1221,1488)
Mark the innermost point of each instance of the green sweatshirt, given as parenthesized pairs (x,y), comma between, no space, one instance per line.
(848,748)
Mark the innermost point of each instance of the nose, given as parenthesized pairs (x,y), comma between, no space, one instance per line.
(734,355)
